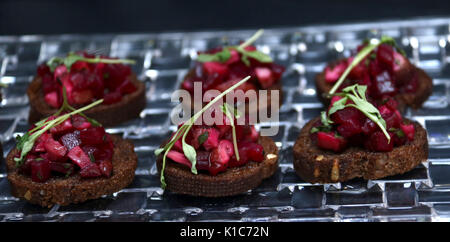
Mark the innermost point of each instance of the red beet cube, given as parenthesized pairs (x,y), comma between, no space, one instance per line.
(62,128)
(208,137)
(55,150)
(219,156)
(332,74)
(368,127)
(40,170)
(277,71)
(71,140)
(265,77)
(79,122)
(409,130)
(359,71)
(63,168)
(233,58)
(43,69)
(329,141)
(385,56)
(202,160)
(379,142)
(48,84)
(215,168)
(179,158)
(82,97)
(106,168)
(347,115)
(127,87)
(112,97)
(384,85)
(60,71)
(90,171)
(252,151)
(92,135)
(39,144)
(215,67)
(79,157)
(349,129)
(52,99)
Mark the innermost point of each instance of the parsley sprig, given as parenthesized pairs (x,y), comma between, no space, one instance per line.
(182,132)
(360,56)
(225,54)
(357,94)
(71,58)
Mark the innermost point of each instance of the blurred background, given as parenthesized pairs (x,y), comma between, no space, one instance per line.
(19,17)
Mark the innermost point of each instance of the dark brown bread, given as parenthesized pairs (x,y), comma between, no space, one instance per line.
(233,181)
(315,165)
(128,108)
(74,189)
(414,100)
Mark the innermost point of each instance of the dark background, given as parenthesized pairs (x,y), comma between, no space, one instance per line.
(121,16)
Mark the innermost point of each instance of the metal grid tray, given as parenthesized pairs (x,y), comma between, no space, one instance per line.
(422,194)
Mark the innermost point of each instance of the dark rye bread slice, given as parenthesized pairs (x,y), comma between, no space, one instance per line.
(414,100)
(74,189)
(233,181)
(109,115)
(315,165)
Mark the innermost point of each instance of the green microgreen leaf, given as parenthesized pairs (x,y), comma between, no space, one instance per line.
(184,130)
(357,94)
(221,56)
(21,140)
(398,132)
(358,58)
(203,137)
(71,58)
(225,54)
(257,55)
(229,114)
(91,157)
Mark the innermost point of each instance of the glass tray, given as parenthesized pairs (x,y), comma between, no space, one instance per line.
(422,194)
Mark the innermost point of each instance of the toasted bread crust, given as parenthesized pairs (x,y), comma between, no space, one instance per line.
(315,165)
(233,181)
(128,108)
(414,100)
(74,189)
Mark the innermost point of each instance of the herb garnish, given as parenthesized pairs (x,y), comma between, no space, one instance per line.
(230,115)
(25,143)
(203,137)
(182,132)
(357,94)
(71,58)
(225,54)
(360,56)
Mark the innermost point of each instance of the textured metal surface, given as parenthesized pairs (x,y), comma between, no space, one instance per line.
(420,195)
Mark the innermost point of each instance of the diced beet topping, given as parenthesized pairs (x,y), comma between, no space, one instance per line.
(221,76)
(222,67)
(70,147)
(214,147)
(350,126)
(85,82)
(385,71)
